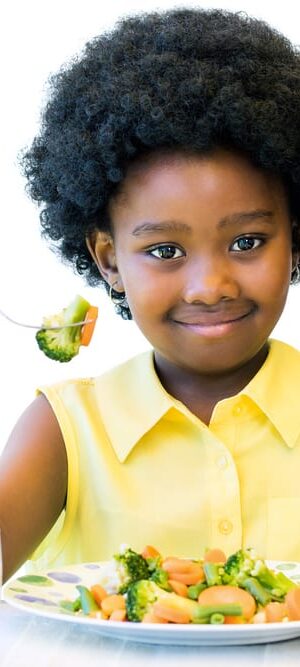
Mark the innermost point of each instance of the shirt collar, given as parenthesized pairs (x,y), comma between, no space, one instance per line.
(275,390)
(132,399)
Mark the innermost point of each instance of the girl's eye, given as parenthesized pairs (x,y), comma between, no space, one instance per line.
(246,243)
(166,252)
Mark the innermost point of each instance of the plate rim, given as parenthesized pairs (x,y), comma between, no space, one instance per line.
(187,634)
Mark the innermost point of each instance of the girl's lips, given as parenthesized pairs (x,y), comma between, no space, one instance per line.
(213,329)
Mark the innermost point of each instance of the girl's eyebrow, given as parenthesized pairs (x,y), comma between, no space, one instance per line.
(176,226)
(163,226)
(247,216)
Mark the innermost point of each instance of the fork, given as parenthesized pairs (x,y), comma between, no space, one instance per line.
(42,326)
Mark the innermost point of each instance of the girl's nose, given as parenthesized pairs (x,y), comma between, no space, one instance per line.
(210,282)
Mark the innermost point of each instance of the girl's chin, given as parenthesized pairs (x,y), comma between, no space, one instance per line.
(216,360)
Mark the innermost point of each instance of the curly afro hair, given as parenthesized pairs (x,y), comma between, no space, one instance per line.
(183,80)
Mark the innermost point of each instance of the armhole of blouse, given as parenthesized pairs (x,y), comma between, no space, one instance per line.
(54,542)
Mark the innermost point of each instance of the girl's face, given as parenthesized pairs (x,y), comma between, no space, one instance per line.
(202,248)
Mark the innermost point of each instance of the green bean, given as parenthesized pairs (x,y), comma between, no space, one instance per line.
(217,619)
(88,603)
(195,590)
(206,611)
(212,575)
(260,594)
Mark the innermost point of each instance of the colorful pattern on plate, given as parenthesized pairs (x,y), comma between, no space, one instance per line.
(53,586)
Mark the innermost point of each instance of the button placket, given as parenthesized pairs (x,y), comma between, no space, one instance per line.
(225,500)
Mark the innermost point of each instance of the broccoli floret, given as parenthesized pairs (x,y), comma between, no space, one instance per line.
(239,566)
(161,578)
(244,567)
(131,567)
(63,344)
(142,596)
(157,573)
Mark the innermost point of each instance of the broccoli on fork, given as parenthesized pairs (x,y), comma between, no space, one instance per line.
(63,343)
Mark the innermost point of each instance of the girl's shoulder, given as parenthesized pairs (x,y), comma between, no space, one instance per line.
(33,474)
(130,370)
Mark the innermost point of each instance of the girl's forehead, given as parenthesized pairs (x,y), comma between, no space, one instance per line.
(167,176)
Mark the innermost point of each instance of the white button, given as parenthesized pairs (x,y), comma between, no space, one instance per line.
(222,462)
(237,410)
(225,527)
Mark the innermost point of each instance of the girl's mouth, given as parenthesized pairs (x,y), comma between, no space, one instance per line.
(211,327)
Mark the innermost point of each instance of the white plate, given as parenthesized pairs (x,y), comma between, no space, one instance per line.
(41,596)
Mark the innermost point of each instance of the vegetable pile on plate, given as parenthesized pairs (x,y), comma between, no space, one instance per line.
(149,588)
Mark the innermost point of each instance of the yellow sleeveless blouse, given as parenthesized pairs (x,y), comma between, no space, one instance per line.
(142,469)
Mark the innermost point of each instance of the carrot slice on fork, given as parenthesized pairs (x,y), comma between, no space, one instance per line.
(87,329)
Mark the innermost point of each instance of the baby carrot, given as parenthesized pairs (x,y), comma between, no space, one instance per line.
(182,610)
(214,556)
(275,612)
(292,600)
(186,571)
(98,593)
(173,564)
(113,602)
(150,552)
(194,576)
(178,587)
(165,610)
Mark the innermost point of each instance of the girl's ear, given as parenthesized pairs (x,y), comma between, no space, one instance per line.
(102,249)
(295,266)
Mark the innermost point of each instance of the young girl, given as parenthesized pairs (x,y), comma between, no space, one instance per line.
(168,170)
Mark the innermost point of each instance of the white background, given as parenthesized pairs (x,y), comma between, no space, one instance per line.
(36,38)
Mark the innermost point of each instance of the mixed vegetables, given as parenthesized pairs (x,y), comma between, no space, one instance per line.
(62,335)
(149,588)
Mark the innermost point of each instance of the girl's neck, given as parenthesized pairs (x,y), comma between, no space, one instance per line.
(200,393)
